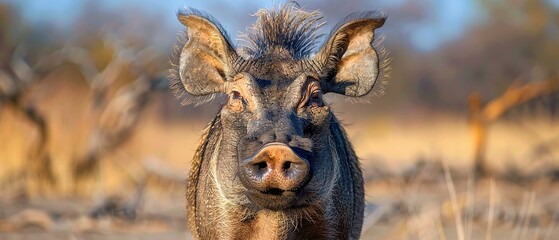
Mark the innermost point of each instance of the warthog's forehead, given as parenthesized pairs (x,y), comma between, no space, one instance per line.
(276,78)
(276,69)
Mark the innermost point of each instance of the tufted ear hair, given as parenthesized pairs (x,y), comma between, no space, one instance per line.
(205,60)
(349,64)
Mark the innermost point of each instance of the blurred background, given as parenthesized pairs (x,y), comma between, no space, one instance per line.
(461,143)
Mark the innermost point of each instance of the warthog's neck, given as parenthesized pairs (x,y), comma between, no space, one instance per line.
(213,214)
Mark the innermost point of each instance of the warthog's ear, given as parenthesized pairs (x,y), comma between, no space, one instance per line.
(349,63)
(205,60)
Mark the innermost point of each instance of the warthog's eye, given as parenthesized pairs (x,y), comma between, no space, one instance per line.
(236,101)
(312,96)
(236,95)
(315,99)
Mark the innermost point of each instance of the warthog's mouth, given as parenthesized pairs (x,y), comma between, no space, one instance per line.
(275,199)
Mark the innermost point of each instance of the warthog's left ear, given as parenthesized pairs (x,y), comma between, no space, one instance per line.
(205,60)
(349,63)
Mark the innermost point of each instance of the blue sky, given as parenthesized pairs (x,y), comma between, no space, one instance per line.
(448,21)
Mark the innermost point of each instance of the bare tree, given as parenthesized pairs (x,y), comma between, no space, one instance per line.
(482,116)
(117,114)
(16,78)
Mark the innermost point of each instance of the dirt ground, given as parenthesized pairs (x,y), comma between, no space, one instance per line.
(418,208)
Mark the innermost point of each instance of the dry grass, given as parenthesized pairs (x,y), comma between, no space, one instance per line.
(499,210)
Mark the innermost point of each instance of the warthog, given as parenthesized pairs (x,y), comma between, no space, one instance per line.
(275,163)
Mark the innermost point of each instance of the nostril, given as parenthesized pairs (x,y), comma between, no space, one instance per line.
(286,165)
(261,165)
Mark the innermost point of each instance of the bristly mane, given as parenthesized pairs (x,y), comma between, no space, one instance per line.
(288,28)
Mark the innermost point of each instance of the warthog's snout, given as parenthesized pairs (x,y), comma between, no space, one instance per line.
(275,175)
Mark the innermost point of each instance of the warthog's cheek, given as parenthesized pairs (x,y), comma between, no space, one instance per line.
(230,117)
(315,119)
(319,115)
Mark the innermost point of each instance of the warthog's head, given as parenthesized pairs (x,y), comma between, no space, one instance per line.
(276,150)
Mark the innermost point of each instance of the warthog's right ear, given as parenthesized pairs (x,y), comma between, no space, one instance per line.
(205,60)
